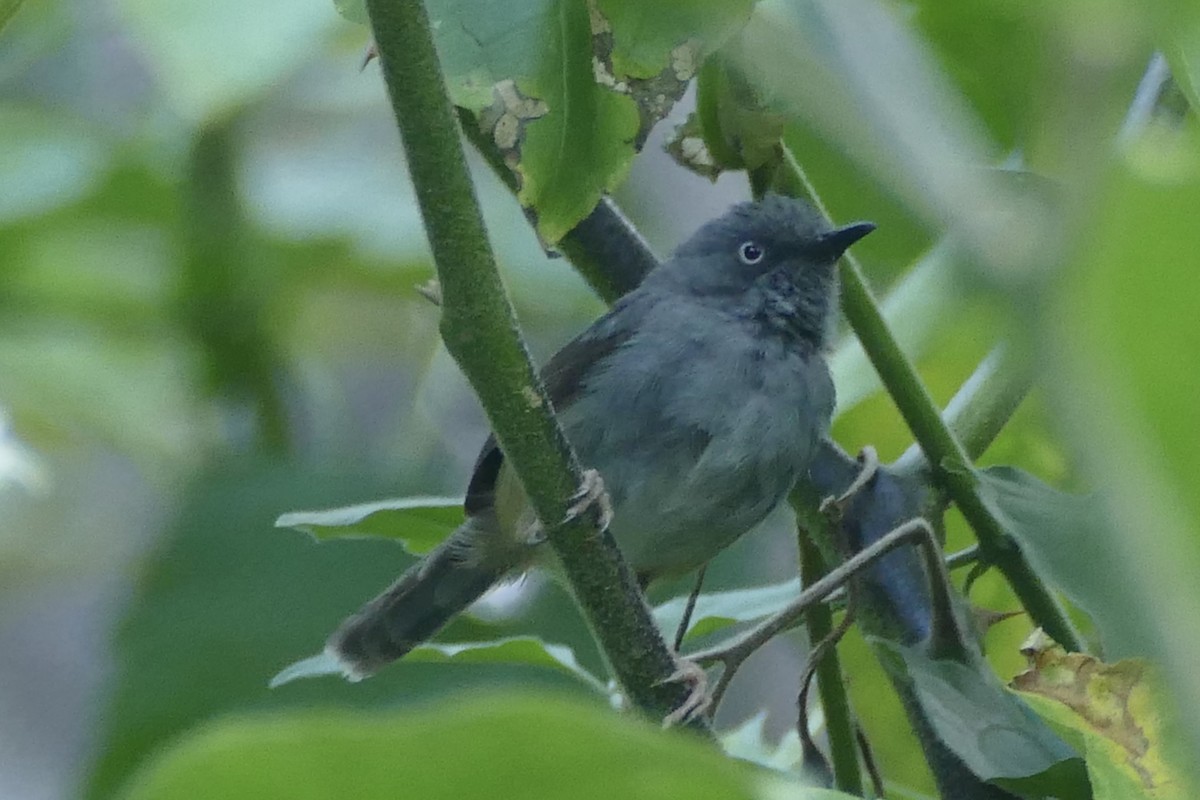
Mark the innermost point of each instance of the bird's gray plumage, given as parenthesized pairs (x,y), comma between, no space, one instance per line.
(700,398)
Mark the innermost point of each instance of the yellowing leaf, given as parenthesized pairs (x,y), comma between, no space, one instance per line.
(1112,712)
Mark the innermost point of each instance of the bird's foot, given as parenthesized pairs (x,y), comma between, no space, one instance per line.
(591,494)
(868,461)
(698,700)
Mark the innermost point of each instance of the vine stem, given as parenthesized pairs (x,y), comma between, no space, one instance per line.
(949,462)
(839,725)
(479,329)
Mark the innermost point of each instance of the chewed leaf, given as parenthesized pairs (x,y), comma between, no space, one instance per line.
(515,650)
(720,610)
(567,91)
(996,735)
(419,524)
(1113,712)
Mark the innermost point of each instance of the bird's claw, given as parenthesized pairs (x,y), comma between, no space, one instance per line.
(698,700)
(868,460)
(591,493)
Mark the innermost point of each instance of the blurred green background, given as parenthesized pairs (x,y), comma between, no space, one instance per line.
(208,254)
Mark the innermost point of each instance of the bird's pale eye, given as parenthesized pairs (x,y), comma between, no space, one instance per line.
(750,253)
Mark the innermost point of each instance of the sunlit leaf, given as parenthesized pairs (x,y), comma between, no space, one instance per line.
(990,730)
(418,524)
(1113,713)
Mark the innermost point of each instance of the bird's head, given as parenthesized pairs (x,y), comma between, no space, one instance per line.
(774,258)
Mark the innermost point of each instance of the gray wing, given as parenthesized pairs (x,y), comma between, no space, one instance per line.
(564,377)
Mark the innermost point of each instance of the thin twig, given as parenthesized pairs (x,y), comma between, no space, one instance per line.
(690,607)
(734,653)
(868,757)
(816,657)
(968,555)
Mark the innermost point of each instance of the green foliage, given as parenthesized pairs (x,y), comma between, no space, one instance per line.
(994,734)
(250,599)
(716,611)
(534,746)
(899,112)
(7,9)
(418,524)
(1113,713)
(1052,529)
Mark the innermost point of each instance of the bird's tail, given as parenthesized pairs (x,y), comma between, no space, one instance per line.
(414,608)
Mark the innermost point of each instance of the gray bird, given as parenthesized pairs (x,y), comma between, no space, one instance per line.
(699,398)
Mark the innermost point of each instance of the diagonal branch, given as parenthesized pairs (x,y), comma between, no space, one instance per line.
(945,453)
(480,331)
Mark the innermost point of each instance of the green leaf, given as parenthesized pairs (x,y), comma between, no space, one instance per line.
(853,71)
(515,650)
(567,92)
(528,650)
(750,742)
(1054,529)
(1119,343)
(526,745)
(716,611)
(991,49)
(8,8)
(650,51)
(226,600)
(1183,54)
(990,730)
(525,70)
(651,37)
(419,524)
(353,11)
(1114,714)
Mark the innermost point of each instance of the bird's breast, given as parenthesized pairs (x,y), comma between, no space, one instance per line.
(698,430)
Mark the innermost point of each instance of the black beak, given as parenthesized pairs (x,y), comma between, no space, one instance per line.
(838,240)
